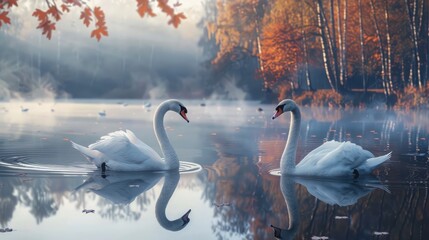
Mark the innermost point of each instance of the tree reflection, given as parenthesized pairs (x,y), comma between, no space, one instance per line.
(8,201)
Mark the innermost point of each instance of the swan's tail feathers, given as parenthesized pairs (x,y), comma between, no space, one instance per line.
(88,153)
(372,163)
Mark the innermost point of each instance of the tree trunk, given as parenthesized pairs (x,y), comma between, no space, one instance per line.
(324,42)
(381,49)
(344,48)
(425,11)
(340,43)
(304,43)
(362,47)
(412,18)
(259,50)
(388,46)
(333,45)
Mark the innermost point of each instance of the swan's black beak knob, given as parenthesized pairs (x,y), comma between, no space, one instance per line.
(185,217)
(277,232)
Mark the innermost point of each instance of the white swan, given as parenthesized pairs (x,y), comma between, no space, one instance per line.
(331,159)
(123,188)
(342,193)
(123,151)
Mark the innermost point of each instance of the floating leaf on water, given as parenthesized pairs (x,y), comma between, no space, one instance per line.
(381,233)
(319,238)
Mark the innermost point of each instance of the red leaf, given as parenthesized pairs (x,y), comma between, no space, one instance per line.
(176,19)
(165,7)
(143,8)
(97,33)
(99,14)
(74,2)
(53,10)
(4,18)
(64,8)
(41,15)
(47,28)
(10,3)
(86,16)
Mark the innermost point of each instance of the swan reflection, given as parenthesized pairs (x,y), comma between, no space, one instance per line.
(123,188)
(342,193)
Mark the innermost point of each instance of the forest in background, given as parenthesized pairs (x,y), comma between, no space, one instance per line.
(322,52)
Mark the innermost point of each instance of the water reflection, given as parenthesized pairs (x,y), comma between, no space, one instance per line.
(122,188)
(342,193)
(234,197)
(42,196)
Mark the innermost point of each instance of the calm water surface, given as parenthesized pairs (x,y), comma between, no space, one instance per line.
(46,185)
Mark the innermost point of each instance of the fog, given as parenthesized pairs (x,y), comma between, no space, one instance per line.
(141,58)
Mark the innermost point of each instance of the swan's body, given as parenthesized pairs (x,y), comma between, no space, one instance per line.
(123,151)
(331,159)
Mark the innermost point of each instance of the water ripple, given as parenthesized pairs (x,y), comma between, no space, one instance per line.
(16,165)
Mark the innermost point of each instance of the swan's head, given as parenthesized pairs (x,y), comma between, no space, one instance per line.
(176,106)
(284,106)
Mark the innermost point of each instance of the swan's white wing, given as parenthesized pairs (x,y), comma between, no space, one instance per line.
(334,158)
(319,152)
(118,146)
(141,145)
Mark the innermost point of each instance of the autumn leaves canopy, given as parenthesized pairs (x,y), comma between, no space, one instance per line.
(89,15)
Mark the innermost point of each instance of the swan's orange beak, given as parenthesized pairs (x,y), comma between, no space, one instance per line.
(279,112)
(183,114)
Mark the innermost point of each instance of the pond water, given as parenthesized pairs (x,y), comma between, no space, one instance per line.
(49,191)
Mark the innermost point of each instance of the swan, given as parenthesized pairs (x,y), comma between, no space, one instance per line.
(123,151)
(342,193)
(331,159)
(123,188)
(287,187)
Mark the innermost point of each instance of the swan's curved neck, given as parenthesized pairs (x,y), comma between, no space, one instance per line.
(287,162)
(170,183)
(170,156)
(287,186)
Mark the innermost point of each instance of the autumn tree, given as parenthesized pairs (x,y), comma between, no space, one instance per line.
(363,44)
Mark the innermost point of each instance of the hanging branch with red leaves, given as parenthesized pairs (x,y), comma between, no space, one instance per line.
(5,6)
(144,7)
(49,17)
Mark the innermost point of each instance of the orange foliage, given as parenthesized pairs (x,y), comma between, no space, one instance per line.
(48,18)
(6,4)
(143,8)
(4,18)
(414,98)
(86,16)
(100,24)
(281,51)
(319,98)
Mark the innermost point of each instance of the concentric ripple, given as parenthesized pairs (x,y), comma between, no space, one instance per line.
(189,167)
(17,165)
(275,172)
